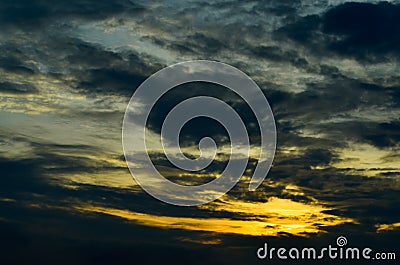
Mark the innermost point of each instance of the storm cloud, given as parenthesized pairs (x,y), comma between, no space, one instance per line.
(329,70)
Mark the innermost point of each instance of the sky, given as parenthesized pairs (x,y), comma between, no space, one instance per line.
(329,70)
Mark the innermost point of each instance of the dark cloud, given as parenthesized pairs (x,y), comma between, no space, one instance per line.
(365,31)
(89,55)
(335,98)
(22,221)
(310,157)
(383,134)
(13,88)
(19,176)
(86,67)
(195,44)
(28,15)
(207,44)
(13,64)
(110,81)
(100,71)
(281,8)
(277,54)
(200,127)
(330,71)
(23,13)
(304,30)
(31,223)
(318,156)
(37,216)
(26,176)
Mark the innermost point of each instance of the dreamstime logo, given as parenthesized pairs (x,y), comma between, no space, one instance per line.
(341,241)
(330,252)
(134,132)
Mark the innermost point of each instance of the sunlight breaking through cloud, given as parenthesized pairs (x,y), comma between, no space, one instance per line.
(270,218)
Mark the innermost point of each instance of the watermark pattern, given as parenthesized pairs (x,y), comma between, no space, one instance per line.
(134,132)
(340,251)
(341,241)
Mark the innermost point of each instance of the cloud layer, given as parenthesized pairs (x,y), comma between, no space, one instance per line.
(67,70)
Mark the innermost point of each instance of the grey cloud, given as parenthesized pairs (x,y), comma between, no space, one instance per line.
(12,64)
(33,15)
(13,88)
(110,81)
(380,135)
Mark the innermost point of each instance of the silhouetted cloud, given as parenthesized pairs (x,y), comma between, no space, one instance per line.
(365,31)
